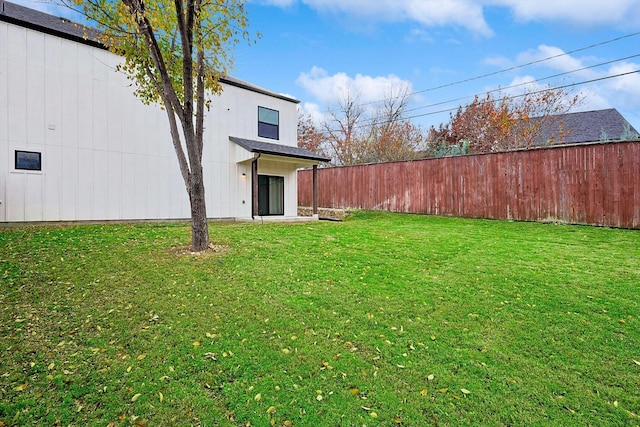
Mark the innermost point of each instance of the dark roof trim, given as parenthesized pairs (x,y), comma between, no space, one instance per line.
(232,81)
(277,149)
(66,29)
(48,24)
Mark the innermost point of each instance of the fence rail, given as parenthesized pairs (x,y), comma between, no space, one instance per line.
(597,184)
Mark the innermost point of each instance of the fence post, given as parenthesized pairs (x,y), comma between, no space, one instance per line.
(315,190)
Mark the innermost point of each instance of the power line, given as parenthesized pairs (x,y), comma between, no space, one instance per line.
(447,110)
(529,93)
(500,89)
(528,82)
(515,67)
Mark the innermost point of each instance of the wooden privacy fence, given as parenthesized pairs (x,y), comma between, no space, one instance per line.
(597,184)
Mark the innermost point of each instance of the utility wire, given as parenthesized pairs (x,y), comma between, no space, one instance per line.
(447,110)
(528,82)
(500,89)
(529,93)
(515,67)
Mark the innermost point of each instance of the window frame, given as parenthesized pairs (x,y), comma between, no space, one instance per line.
(265,195)
(17,161)
(268,129)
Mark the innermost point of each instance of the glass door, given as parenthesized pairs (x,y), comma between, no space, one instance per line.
(270,195)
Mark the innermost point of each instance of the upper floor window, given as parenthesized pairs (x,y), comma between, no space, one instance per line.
(268,123)
(28,160)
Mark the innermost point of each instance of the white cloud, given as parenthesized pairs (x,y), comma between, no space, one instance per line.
(581,12)
(419,35)
(462,13)
(622,89)
(330,88)
(615,85)
(625,89)
(470,14)
(313,110)
(558,59)
(327,90)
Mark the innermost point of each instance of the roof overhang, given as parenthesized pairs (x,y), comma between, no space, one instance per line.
(279,151)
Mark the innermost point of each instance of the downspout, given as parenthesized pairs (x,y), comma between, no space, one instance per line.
(254,185)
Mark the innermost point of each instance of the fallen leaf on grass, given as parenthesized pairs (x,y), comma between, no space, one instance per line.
(431,377)
(21,387)
(136,397)
(636,362)
(424,392)
(271,409)
(141,356)
(354,390)
(465,391)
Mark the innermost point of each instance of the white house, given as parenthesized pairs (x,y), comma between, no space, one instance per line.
(76,144)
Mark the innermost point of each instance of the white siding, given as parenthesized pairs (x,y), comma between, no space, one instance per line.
(4,111)
(52,184)
(106,155)
(69,184)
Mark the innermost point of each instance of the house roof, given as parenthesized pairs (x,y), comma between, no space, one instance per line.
(48,24)
(277,149)
(67,29)
(586,126)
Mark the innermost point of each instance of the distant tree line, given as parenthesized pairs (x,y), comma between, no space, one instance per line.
(352,134)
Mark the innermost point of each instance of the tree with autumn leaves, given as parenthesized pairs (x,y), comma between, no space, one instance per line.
(352,134)
(349,136)
(175,52)
(506,123)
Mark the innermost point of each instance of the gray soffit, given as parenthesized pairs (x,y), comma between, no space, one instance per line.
(277,149)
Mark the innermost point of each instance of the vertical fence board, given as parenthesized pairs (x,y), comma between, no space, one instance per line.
(595,184)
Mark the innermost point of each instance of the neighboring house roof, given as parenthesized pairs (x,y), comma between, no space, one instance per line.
(587,126)
(277,149)
(64,28)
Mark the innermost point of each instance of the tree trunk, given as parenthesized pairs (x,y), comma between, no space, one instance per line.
(199,226)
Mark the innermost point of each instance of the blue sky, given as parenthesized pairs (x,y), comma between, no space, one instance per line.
(314,49)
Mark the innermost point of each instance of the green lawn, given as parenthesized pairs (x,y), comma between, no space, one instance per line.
(381,320)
